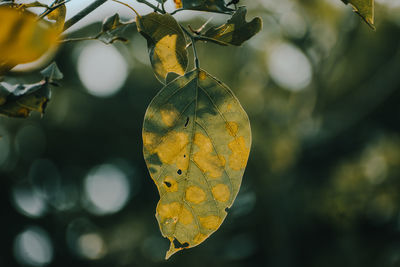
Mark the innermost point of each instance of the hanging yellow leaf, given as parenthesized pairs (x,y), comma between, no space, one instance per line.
(365,8)
(23,37)
(166,43)
(197,141)
(236,31)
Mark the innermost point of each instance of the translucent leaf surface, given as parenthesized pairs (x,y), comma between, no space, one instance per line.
(236,31)
(197,141)
(166,43)
(204,5)
(111,23)
(58,15)
(23,38)
(52,72)
(365,8)
(21,100)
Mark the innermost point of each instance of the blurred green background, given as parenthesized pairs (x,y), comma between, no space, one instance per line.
(321,188)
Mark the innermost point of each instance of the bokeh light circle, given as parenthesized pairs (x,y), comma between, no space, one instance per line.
(102,69)
(33,247)
(107,189)
(289,67)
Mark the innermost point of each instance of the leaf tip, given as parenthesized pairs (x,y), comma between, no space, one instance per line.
(172,250)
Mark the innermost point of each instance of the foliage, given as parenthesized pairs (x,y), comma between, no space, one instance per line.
(197,141)
(365,8)
(196,135)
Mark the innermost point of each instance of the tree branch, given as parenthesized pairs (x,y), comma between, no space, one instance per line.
(83,13)
(152,6)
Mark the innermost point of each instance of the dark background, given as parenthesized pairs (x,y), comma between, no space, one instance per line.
(322,183)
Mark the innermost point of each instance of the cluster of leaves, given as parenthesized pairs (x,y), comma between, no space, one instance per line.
(196,135)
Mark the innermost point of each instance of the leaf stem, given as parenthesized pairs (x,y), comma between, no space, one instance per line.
(193,39)
(54,6)
(83,13)
(152,6)
(128,6)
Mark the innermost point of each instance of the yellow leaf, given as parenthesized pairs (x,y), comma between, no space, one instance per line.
(23,37)
(196,139)
(178,3)
(58,15)
(166,42)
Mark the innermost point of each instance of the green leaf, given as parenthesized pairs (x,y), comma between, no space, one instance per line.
(197,140)
(364,8)
(236,31)
(111,23)
(21,100)
(218,6)
(52,72)
(166,43)
(3,95)
(113,29)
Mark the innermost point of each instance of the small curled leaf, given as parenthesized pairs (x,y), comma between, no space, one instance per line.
(111,23)
(236,31)
(197,140)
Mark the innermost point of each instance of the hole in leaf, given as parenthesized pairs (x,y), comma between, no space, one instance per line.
(178,244)
(179,171)
(187,121)
(184,156)
(168,184)
(227,209)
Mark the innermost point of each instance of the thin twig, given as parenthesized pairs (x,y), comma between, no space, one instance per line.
(83,13)
(193,39)
(53,7)
(128,6)
(177,10)
(152,6)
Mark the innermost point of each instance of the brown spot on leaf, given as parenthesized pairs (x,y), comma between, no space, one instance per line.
(202,75)
(211,222)
(185,217)
(169,115)
(149,140)
(174,212)
(208,163)
(170,185)
(172,149)
(240,154)
(232,128)
(169,212)
(221,192)
(195,194)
